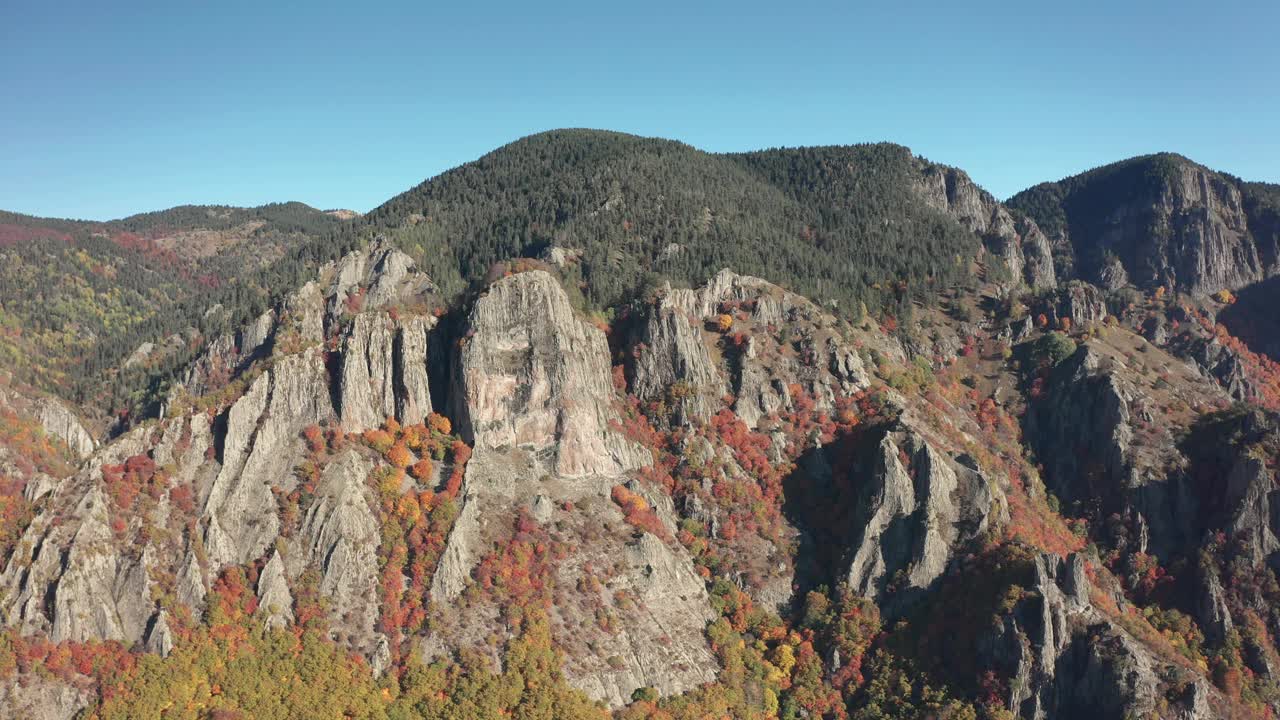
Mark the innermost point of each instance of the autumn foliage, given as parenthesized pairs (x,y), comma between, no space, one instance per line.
(637,512)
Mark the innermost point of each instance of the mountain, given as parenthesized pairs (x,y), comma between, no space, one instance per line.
(526,442)
(1159,220)
(635,209)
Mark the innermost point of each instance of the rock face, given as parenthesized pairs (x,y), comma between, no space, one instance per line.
(98,596)
(358,286)
(261,444)
(674,352)
(912,518)
(533,374)
(86,570)
(673,602)
(1156,220)
(679,359)
(1081,303)
(61,423)
(1246,498)
(275,602)
(160,636)
(533,389)
(876,492)
(1017,241)
(656,639)
(1090,415)
(340,537)
(1069,659)
(42,699)
(384,371)
(91,592)
(1103,445)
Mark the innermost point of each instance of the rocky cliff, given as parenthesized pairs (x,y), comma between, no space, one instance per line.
(1014,238)
(1158,220)
(162,510)
(533,391)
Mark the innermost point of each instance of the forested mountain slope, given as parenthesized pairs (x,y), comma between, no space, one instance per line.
(637,209)
(81,301)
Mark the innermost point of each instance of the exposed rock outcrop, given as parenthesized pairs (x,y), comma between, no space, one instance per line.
(61,423)
(1253,510)
(86,570)
(1016,240)
(73,583)
(368,390)
(532,374)
(384,371)
(1096,435)
(159,638)
(656,641)
(533,389)
(275,602)
(361,284)
(786,342)
(1067,658)
(1081,303)
(260,449)
(340,537)
(913,517)
(42,698)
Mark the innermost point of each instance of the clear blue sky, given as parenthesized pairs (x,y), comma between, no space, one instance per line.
(112,108)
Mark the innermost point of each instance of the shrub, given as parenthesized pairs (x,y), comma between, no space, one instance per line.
(1053,348)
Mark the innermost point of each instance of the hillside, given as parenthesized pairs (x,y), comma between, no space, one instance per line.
(80,301)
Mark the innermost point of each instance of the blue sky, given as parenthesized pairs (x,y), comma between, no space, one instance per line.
(117,108)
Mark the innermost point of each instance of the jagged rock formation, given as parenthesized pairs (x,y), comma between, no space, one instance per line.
(913,518)
(533,390)
(257,453)
(384,371)
(80,579)
(533,374)
(1015,239)
(160,636)
(43,699)
(1081,303)
(72,583)
(1102,442)
(379,351)
(339,536)
(275,602)
(1068,657)
(770,446)
(1253,511)
(679,353)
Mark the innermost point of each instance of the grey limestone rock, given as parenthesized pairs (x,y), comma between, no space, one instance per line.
(275,602)
(531,373)
(61,423)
